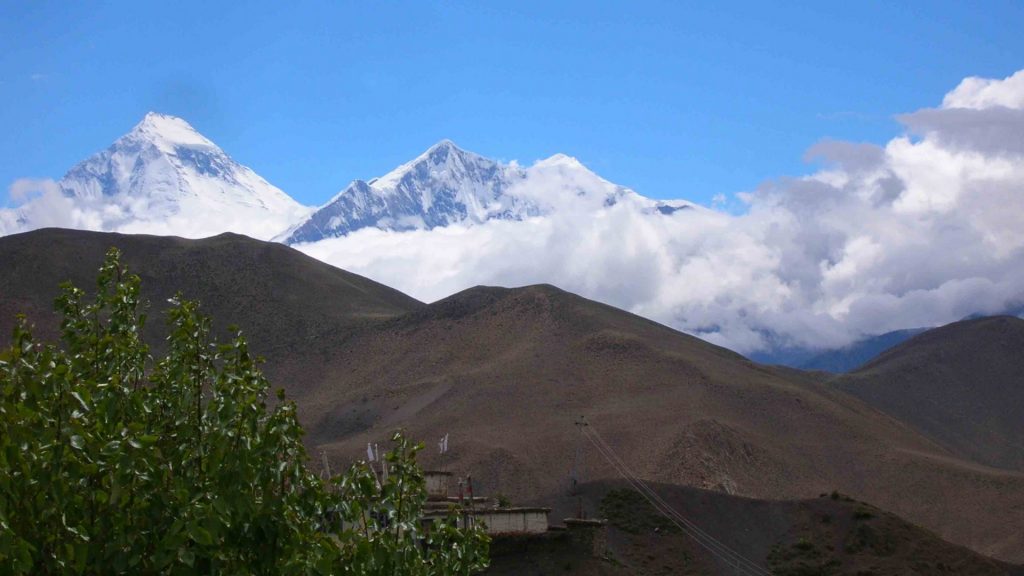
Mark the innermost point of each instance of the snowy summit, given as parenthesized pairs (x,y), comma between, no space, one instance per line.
(442,186)
(164,177)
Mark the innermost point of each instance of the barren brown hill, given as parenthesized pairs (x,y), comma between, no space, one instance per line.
(831,534)
(961,384)
(507,371)
(284,300)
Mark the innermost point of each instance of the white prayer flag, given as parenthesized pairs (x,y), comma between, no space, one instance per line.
(369,452)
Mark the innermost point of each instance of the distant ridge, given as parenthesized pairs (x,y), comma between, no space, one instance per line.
(860,352)
(962,384)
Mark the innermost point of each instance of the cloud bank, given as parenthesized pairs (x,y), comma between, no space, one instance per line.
(922,231)
(42,203)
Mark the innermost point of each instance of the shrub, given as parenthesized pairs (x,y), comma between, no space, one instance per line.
(113,463)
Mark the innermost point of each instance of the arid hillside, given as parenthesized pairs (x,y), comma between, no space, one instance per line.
(961,384)
(282,299)
(506,372)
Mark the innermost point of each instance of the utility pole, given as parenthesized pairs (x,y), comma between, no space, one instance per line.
(574,473)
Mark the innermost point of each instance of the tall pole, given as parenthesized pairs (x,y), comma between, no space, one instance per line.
(574,474)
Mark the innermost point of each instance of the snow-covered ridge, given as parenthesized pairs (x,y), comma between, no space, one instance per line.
(448,185)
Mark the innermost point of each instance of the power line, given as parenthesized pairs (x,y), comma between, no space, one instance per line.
(708,542)
(679,516)
(705,540)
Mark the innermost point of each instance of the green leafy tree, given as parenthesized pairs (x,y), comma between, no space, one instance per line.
(381,523)
(113,463)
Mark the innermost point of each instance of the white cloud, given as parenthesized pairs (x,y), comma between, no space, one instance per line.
(921,231)
(23,189)
(41,202)
(980,93)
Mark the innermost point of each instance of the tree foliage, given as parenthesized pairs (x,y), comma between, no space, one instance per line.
(114,463)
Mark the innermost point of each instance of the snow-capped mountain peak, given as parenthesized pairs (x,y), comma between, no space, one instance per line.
(561,160)
(564,179)
(443,160)
(168,133)
(442,186)
(164,177)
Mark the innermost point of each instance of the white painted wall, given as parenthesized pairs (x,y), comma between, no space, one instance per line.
(514,520)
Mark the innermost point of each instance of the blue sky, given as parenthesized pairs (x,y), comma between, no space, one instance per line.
(672,99)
